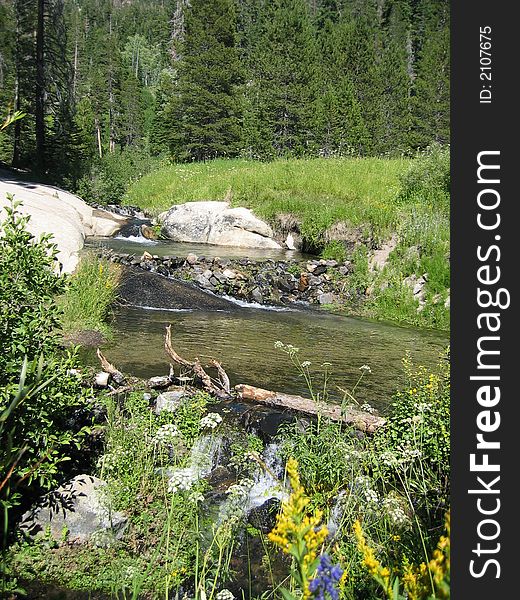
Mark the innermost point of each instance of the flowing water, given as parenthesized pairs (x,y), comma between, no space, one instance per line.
(243,337)
(244,341)
(136,244)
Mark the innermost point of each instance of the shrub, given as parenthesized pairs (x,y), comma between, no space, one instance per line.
(28,286)
(39,386)
(427,181)
(111,175)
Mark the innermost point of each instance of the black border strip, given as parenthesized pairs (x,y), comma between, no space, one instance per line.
(481,127)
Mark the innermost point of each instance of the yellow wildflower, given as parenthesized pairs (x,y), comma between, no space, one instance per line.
(297,533)
(379,573)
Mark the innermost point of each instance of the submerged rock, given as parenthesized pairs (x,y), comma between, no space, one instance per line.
(78,511)
(149,290)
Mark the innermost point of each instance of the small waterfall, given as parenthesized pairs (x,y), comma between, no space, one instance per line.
(132,232)
(268,483)
(249,494)
(205,454)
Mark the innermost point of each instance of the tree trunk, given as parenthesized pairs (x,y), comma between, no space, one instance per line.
(40,87)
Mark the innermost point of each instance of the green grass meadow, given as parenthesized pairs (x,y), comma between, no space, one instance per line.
(377,196)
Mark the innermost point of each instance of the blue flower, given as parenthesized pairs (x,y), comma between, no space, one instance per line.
(326,581)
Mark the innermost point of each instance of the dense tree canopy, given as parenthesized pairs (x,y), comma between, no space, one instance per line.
(209,78)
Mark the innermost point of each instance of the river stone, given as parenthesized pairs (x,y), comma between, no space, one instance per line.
(169,401)
(80,508)
(256,296)
(52,210)
(327,298)
(210,222)
(263,517)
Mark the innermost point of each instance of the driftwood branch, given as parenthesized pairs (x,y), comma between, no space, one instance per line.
(117,376)
(217,388)
(223,376)
(359,419)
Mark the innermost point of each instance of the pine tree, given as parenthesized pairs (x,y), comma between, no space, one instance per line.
(396,67)
(431,92)
(206,107)
(283,83)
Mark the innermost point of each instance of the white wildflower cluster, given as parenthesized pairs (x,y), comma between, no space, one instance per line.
(405,456)
(287,348)
(110,460)
(130,572)
(390,459)
(241,489)
(196,498)
(409,454)
(367,494)
(423,407)
(166,434)
(181,480)
(365,369)
(210,421)
(368,408)
(306,364)
(393,507)
(233,510)
(352,454)
(224,595)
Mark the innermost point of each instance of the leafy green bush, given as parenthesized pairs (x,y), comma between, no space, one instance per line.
(415,444)
(427,181)
(40,389)
(110,176)
(334,250)
(28,286)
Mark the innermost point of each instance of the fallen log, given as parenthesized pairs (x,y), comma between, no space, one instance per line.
(361,420)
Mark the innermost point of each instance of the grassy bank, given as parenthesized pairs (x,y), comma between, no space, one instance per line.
(345,209)
(318,191)
(87,301)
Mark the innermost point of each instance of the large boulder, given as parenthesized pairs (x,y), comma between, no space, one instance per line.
(216,223)
(52,210)
(78,511)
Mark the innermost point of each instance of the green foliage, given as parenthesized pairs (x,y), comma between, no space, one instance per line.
(427,181)
(40,389)
(206,108)
(420,422)
(28,287)
(323,455)
(396,483)
(90,294)
(110,177)
(334,250)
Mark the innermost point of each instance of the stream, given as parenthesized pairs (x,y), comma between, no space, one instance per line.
(243,338)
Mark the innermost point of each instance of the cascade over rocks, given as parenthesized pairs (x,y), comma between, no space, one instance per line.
(211,222)
(268,282)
